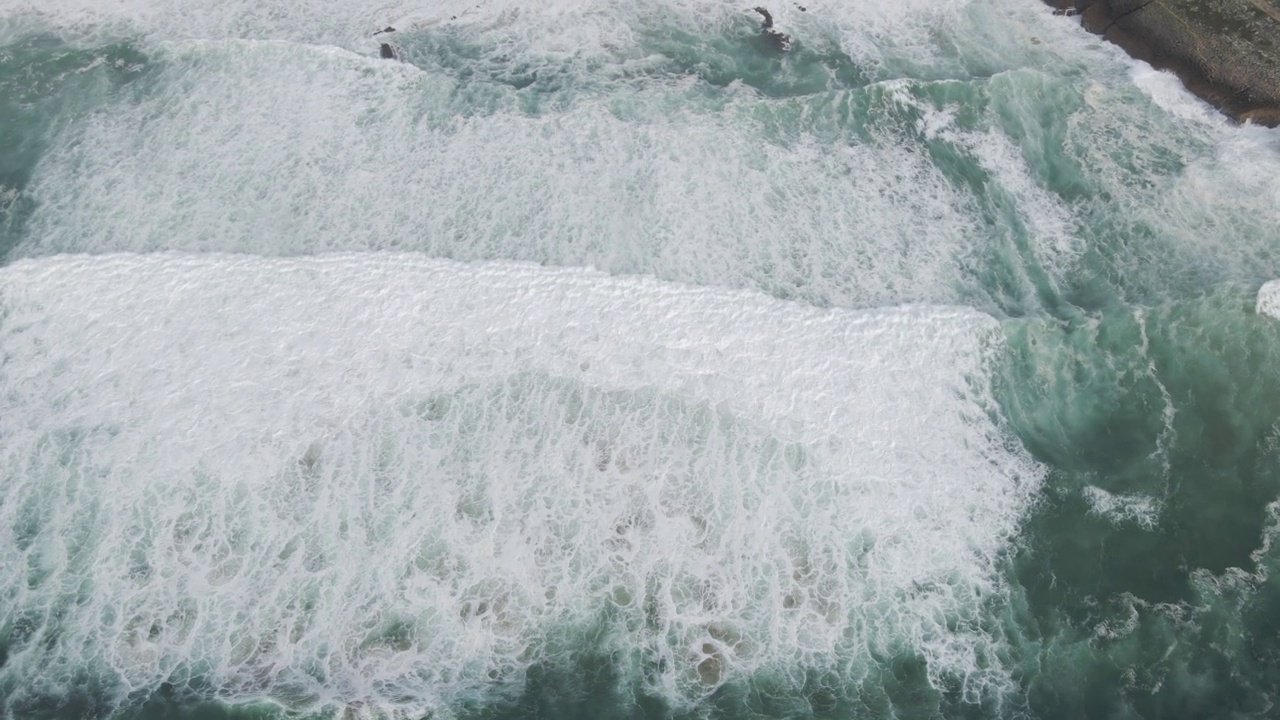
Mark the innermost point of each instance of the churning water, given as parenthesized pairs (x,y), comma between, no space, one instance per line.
(595,359)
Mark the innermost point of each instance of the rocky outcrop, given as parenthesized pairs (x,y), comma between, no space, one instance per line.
(1226,51)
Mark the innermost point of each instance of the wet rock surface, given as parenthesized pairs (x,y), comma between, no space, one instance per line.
(1226,51)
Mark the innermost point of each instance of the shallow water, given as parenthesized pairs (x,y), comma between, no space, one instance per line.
(598,360)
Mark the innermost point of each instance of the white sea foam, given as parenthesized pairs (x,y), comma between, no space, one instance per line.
(625,160)
(259,124)
(277,148)
(1046,218)
(1201,194)
(390,480)
(1269,299)
(341,21)
(1142,510)
(1166,90)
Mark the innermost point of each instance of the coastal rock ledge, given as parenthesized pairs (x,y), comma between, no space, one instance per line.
(1225,51)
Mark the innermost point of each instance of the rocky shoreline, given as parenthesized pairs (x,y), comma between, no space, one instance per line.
(1225,51)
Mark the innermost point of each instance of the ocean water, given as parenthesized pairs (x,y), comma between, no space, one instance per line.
(597,360)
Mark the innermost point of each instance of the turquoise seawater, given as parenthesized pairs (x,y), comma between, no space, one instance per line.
(598,360)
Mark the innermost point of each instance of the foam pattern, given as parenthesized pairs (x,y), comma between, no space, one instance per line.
(591,133)
(566,24)
(1269,299)
(1121,509)
(394,482)
(278,148)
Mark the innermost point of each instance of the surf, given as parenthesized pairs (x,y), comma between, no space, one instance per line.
(598,359)
(400,482)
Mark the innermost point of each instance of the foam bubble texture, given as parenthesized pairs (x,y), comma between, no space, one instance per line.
(1269,299)
(277,148)
(343,22)
(1142,510)
(393,481)
(589,132)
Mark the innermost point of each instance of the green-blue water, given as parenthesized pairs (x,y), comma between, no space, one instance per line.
(304,412)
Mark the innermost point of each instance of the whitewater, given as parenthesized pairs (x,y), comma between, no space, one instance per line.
(596,359)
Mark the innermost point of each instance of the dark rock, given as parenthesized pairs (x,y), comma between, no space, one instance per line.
(1225,51)
(779,40)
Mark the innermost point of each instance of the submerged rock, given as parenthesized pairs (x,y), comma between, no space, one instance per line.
(1225,51)
(780,40)
(385,50)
